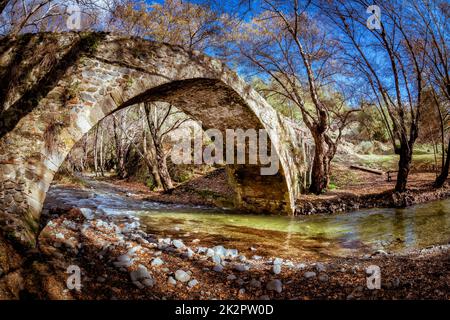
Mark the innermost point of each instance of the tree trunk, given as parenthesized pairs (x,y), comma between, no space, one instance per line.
(102,163)
(404,166)
(120,158)
(321,170)
(96,151)
(163,171)
(440,180)
(150,161)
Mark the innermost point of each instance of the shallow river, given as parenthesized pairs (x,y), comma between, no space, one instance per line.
(308,237)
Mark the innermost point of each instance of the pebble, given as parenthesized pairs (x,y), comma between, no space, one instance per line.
(172,281)
(140,273)
(157,262)
(264,297)
(309,274)
(148,282)
(289,264)
(192,283)
(381,253)
(232,253)
(216,259)
(277,261)
(241,267)
(182,276)
(138,284)
(320,267)
(133,250)
(256,257)
(276,269)
(210,252)
(301,266)
(178,244)
(241,291)
(87,213)
(218,268)
(123,258)
(201,250)
(189,253)
(275,285)
(220,251)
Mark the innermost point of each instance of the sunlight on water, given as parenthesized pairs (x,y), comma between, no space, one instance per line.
(321,236)
(334,235)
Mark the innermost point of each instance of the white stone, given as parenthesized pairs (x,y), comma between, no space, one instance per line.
(171,281)
(309,274)
(178,244)
(156,262)
(182,276)
(192,283)
(216,259)
(276,269)
(277,261)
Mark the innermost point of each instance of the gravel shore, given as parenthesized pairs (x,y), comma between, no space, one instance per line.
(119,261)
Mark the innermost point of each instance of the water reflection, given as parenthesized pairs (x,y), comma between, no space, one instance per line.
(347,234)
(308,236)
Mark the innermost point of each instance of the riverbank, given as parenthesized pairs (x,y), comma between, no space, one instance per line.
(120,261)
(372,191)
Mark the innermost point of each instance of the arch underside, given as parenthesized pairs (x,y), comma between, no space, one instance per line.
(120,73)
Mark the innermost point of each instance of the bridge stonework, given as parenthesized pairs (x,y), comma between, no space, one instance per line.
(55,87)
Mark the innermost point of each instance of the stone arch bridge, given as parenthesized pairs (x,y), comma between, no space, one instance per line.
(55,87)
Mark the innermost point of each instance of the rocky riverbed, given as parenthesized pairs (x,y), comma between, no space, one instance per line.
(118,260)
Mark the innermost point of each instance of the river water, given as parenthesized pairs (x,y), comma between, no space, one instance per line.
(305,237)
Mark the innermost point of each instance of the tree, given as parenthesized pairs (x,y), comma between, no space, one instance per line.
(433,18)
(22,16)
(177,22)
(287,44)
(162,118)
(193,26)
(391,60)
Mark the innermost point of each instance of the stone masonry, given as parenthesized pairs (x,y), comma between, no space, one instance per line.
(55,87)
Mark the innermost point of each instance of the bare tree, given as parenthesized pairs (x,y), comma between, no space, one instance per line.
(162,118)
(391,59)
(287,44)
(191,25)
(433,19)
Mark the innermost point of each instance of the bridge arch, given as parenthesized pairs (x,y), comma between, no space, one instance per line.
(58,100)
